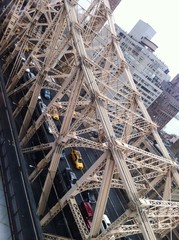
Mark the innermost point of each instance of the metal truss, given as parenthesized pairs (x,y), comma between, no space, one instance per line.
(73,50)
(55,237)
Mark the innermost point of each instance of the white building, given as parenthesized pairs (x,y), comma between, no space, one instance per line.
(142,30)
(147,70)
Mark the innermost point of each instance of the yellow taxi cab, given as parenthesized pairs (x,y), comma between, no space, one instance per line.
(55,114)
(77,159)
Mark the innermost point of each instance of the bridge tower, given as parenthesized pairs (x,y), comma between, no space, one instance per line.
(73,51)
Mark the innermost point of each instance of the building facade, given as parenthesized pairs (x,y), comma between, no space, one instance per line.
(147,70)
(166,106)
(113,4)
(175,149)
(142,30)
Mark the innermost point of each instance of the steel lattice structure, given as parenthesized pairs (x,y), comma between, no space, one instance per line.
(94,91)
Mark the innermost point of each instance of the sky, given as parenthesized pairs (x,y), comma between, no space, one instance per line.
(163,17)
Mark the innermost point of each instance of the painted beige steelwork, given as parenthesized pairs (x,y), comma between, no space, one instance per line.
(74,52)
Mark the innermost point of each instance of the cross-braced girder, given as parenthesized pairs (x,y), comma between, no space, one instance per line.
(70,51)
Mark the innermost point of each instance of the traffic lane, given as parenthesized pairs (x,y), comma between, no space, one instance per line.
(37,192)
(117,200)
(118,196)
(115,208)
(64,162)
(122,195)
(69,163)
(75,234)
(3,4)
(59,221)
(58,224)
(122,199)
(37,189)
(111,211)
(31,163)
(88,159)
(58,190)
(89,156)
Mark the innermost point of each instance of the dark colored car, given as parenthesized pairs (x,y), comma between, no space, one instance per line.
(88,196)
(63,155)
(94,136)
(28,75)
(42,107)
(69,177)
(46,94)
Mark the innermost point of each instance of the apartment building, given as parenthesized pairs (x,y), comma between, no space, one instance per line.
(139,51)
(166,106)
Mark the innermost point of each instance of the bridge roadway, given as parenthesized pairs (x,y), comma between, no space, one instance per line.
(21,208)
(64,224)
(14,172)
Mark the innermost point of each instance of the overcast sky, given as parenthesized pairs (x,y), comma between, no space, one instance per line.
(163,17)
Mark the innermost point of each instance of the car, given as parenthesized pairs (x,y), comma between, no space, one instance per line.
(69,177)
(55,116)
(88,196)
(42,107)
(46,94)
(94,134)
(105,223)
(63,155)
(87,213)
(23,57)
(54,113)
(48,128)
(28,75)
(27,48)
(77,159)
